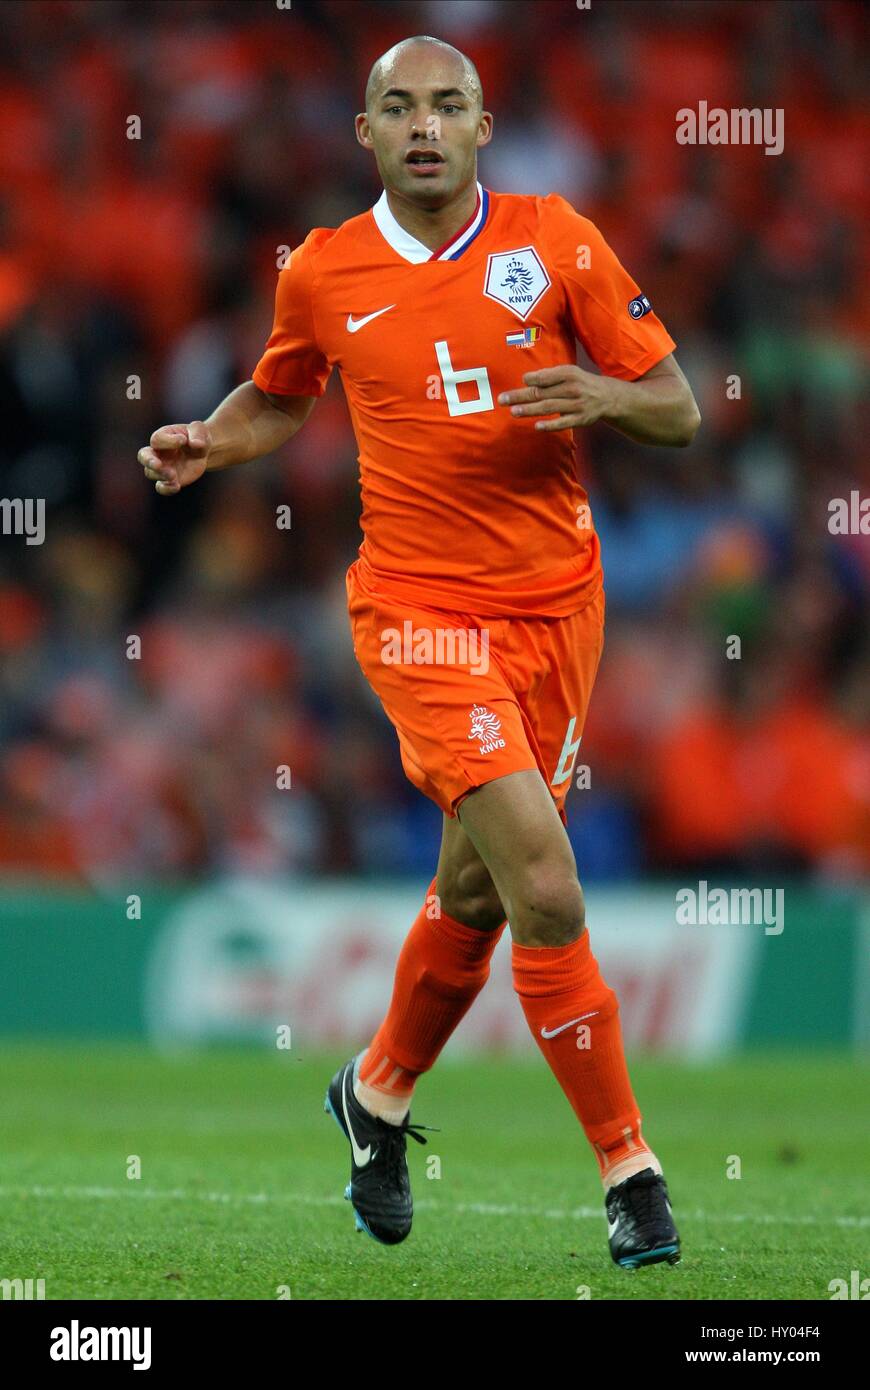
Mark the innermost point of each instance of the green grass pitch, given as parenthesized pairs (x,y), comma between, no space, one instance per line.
(242,1175)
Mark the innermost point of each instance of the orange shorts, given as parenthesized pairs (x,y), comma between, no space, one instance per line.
(473,699)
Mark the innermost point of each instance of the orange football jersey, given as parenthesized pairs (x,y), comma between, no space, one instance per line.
(464,506)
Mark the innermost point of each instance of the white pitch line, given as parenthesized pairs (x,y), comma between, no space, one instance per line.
(179,1194)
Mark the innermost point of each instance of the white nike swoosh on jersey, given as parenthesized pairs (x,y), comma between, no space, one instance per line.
(354,325)
(360,1156)
(561,1029)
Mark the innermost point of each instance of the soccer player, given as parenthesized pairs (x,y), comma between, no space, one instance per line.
(476,604)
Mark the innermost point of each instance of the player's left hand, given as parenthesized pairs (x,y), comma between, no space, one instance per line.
(575,397)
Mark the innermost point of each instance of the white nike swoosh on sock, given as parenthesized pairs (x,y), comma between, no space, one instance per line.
(555,1031)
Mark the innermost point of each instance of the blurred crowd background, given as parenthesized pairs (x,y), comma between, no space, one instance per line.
(156,258)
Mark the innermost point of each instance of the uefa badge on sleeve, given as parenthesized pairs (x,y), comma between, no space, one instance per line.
(640,306)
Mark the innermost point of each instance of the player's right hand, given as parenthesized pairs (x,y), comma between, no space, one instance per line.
(176,456)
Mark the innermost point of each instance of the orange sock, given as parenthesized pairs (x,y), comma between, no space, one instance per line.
(442,967)
(574,1017)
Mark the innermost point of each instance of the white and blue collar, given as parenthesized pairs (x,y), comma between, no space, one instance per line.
(407,246)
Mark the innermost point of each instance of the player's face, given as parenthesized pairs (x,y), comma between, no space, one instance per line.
(425,128)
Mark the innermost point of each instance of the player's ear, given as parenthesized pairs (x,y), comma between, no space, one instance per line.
(363,129)
(484,129)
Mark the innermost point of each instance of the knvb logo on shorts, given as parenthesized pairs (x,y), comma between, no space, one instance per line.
(436,646)
(516,279)
(486,727)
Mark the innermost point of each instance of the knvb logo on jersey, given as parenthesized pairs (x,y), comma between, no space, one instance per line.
(516,279)
(486,727)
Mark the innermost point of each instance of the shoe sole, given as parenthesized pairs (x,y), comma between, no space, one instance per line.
(669,1253)
(329,1108)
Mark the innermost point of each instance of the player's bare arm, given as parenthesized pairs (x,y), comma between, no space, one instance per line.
(245,426)
(657,408)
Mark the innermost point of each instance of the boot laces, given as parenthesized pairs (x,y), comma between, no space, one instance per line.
(394,1142)
(642,1200)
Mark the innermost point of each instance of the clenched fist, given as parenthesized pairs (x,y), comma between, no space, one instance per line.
(176,456)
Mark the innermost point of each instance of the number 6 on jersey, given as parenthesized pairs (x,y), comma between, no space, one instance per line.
(452,378)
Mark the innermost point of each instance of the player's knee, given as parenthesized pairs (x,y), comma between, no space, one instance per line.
(548,907)
(470,897)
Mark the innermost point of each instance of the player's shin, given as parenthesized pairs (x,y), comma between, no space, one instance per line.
(574,1018)
(442,967)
